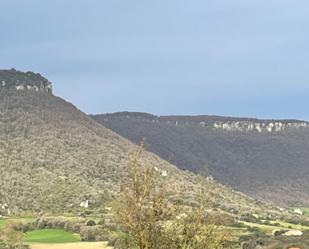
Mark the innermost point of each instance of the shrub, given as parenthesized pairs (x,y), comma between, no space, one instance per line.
(149,221)
(12,237)
(92,233)
(239,225)
(90,223)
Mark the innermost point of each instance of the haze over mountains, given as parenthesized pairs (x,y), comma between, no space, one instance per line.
(53,156)
(268,159)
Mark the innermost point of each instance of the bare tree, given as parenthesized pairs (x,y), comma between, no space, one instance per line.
(149,221)
(12,237)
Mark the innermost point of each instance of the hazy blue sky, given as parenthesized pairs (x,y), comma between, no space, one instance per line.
(226,57)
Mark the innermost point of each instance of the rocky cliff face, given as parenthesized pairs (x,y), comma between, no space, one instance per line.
(246,126)
(24,81)
(215,122)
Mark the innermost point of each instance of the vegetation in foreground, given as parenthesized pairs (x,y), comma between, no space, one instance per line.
(149,221)
(245,234)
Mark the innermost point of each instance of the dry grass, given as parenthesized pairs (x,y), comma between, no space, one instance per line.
(80,245)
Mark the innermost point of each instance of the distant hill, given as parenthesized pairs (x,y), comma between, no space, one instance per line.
(53,156)
(268,159)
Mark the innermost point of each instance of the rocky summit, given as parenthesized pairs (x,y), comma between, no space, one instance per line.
(24,81)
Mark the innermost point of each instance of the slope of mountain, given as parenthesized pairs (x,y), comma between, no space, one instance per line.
(53,156)
(268,159)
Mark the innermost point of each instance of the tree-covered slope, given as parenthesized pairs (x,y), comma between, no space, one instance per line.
(49,147)
(268,159)
(53,157)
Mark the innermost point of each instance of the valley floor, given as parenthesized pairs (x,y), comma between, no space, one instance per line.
(77,245)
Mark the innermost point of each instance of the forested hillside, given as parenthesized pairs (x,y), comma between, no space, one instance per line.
(267,159)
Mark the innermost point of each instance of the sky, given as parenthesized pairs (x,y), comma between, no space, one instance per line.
(223,57)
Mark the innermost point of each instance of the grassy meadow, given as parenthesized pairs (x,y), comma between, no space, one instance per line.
(51,236)
(59,239)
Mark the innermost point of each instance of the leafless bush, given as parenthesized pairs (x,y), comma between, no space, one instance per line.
(149,221)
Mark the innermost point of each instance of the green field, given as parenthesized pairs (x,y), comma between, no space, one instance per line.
(51,236)
(268,229)
(306,211)
(290,225)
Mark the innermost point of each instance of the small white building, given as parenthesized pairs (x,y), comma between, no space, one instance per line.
(298,211)
(84,204)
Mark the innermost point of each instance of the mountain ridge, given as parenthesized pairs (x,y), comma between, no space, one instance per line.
(265,163)
(214,121)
